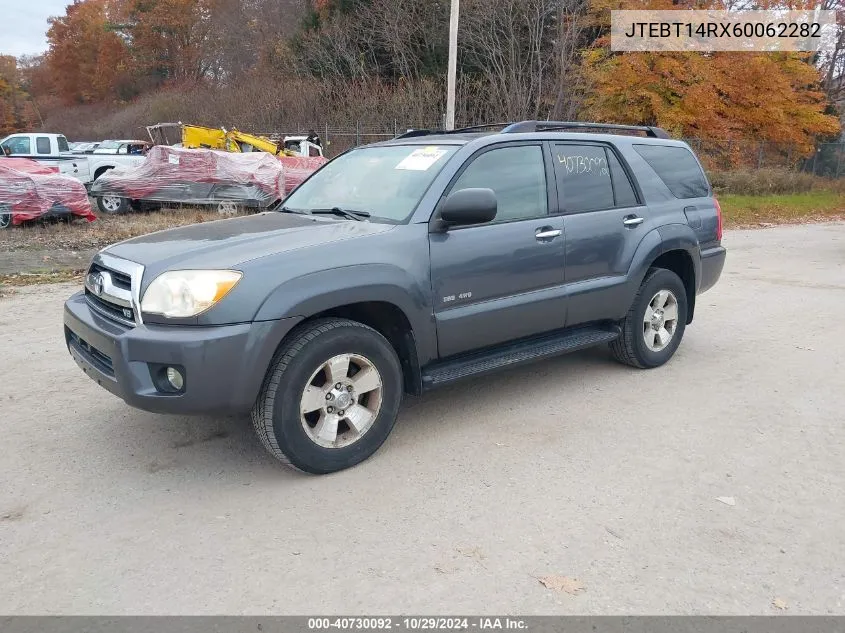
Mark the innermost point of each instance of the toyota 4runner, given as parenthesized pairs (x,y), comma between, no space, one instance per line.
(400,267)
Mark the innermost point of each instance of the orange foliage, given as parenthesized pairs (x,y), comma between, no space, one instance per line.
(171,38)
(739,96)
(86,58)
(16,109)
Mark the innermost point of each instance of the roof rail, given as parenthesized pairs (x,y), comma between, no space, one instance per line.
(548,126)
(545,126)
(460,130)
(483,126)
(413,133)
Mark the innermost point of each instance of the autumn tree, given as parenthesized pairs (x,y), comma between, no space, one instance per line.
(87,60)
(171,40)
(16,108)
(730,96)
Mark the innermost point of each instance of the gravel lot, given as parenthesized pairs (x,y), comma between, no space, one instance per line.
(576,467)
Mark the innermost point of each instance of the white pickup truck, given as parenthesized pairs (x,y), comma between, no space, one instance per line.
(53,150)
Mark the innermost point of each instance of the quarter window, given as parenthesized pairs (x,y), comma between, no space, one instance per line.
(676,167)
(517,175)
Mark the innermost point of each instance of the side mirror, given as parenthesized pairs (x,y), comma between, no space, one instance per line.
(469,206)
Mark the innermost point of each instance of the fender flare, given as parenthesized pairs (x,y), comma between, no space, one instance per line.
(681,237)
(660,240)
(317,292)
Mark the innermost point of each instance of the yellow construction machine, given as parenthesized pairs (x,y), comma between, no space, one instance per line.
(197,136)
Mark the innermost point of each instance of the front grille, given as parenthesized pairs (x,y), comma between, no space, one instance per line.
(121,280)
(91,354)
(121,314)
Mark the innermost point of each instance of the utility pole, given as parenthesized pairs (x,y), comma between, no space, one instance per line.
(453,65)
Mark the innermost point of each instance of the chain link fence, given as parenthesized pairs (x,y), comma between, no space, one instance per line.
(338,139)
(825,160)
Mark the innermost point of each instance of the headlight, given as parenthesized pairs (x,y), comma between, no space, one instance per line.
(186,293)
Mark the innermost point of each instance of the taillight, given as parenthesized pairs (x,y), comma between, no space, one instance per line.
(718,220)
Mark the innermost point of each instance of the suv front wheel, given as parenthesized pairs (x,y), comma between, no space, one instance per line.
(330,397)
(655,324)
(113,205)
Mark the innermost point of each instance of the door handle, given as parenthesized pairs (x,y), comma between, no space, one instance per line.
(630,221)
(547,233)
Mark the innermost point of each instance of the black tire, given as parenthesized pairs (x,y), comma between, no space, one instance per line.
(276,415)
(109,208)
(631,347)
(144,206)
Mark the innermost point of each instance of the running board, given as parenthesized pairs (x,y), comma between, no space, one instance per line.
(518,353)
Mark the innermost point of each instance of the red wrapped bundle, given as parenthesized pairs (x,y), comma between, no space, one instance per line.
(197,176)
(29,190)
(298,168)
(29,166)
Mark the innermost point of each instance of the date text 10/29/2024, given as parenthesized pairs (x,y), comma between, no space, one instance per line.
(417,623)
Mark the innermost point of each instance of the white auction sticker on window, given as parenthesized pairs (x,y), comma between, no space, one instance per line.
(173,159)
(421,159)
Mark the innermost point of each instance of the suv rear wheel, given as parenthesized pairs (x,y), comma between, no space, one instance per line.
(655,324)
(330,397)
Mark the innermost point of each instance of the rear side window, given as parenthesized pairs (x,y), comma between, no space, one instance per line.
(677,168)
(62,141)
(42,145)
(591,178)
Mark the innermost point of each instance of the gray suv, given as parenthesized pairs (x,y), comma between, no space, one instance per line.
(400,267)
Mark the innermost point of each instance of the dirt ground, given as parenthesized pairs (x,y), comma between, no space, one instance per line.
(713,485)
(37,248)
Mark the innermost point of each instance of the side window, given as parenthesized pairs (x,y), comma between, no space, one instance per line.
(584,177)
(677,168)
(18,145)
(42,145)
(123,149)
(62,141)
(622,188)
(517,175)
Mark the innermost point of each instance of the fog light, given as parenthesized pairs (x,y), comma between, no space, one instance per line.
(175,378)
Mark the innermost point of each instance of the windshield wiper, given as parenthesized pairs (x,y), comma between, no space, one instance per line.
(344,213)
(289,210)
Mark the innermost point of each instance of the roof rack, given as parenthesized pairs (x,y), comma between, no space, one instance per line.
(460,130)
(413,133)
(544,126)
(548,126)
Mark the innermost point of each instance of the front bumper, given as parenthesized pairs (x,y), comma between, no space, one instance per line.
(223,366)
(712,263)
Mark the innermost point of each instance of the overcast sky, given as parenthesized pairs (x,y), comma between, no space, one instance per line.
(23,25)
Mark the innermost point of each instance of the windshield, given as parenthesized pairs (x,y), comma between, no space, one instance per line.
(108,145)
(387,182)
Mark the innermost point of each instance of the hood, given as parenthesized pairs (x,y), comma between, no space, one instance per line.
(230,242)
